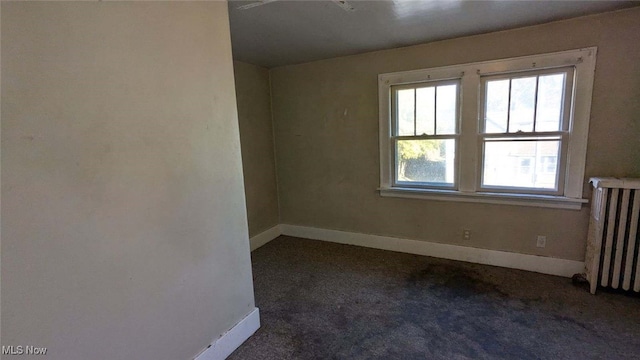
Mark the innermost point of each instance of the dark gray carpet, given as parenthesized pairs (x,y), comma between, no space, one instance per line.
(320,300)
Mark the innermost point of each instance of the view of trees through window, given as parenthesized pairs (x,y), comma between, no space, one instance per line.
(510,130)
(521,125)
(428,161)
(422,113)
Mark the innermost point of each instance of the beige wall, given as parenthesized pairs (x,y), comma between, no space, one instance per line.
(326,126)
(256,137)
(124,229)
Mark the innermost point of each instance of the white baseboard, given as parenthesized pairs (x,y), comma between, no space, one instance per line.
(221,348)
(264,237)
(540,264)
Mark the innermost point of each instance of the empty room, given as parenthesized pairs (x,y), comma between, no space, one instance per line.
(329,179)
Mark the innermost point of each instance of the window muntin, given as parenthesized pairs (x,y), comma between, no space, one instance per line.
(425,123)
(566,127)
(524,118)
(527,102)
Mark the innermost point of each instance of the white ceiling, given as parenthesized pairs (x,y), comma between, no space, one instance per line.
(289,32)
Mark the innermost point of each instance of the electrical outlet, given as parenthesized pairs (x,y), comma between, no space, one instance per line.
(466,234)
(542,241)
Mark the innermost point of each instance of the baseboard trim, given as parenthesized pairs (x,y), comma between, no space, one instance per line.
(222,347)
(540,264)
(264,237)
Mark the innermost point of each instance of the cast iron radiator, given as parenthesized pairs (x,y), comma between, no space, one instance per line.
(612,247)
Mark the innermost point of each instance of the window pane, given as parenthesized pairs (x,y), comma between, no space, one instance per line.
(550,96)
(446,100)
(547,164)
(526,164)
(425,111)
(523,92)
(496,106)
(425,161)
(406,107)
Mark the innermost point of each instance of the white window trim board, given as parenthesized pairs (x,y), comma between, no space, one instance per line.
(544,201)
(584,61)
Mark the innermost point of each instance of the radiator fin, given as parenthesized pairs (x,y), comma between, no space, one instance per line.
(612,208)
(620,240)
(633,248)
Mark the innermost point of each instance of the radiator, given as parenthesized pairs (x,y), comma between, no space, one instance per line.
(612,247)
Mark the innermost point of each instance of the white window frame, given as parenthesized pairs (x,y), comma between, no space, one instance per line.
(469,146)
(396,137)
(562,134)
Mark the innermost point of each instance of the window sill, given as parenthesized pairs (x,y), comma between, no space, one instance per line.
(545,201)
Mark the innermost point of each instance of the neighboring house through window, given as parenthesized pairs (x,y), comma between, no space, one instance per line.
(505,131)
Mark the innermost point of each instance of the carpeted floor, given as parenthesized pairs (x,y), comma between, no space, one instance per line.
(320,300)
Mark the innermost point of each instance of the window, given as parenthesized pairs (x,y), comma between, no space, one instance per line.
(507,131)
(525,117)
(425,133)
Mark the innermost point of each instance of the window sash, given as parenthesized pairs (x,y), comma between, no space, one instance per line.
(420,184)
(565,112)
(395,124)
(561,137)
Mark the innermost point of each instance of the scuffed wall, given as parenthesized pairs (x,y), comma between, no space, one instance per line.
(256,136)
(124,230)
(326,126)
